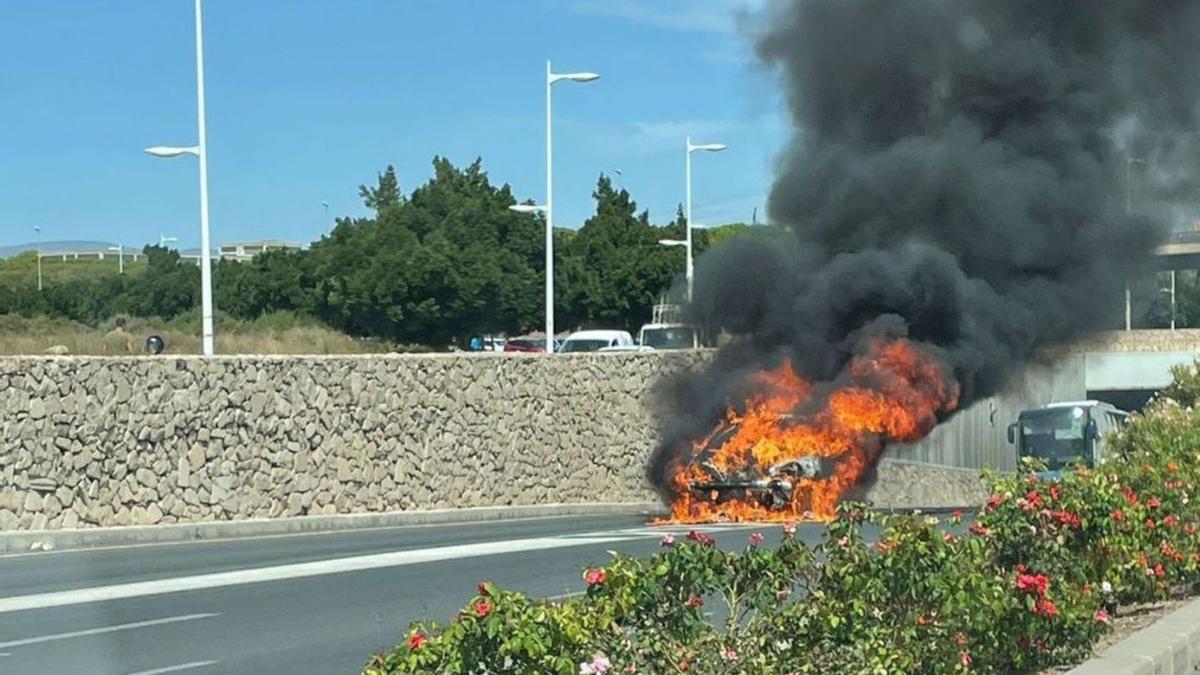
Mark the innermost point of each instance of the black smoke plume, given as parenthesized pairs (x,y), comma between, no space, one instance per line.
(981,176)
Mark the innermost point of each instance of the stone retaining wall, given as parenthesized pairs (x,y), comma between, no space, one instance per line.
(95,442)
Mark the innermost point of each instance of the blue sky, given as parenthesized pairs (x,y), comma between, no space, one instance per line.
(307,99)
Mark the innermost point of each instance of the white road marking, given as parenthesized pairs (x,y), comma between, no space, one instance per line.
(175,669)
(195,582)
(106,629)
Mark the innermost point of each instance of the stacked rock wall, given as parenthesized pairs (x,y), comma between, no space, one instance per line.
(133,441)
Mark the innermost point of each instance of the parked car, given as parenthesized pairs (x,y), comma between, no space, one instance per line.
(525,344)
(595,340)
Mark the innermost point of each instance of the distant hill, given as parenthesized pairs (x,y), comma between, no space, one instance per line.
(55,246)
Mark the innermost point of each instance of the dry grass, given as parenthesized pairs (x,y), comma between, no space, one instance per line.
(275,334)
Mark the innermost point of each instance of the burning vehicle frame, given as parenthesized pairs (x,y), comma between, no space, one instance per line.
(773,487)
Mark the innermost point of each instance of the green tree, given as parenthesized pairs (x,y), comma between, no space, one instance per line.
(169,287)
(614,267)
(385,195)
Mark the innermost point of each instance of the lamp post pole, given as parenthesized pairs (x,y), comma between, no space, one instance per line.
(707,147)
(38,231)
(200,150)
(551,78)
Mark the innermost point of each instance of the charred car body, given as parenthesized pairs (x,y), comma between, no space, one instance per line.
(773,486)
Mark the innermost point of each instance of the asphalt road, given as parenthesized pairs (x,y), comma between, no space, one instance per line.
(297,604)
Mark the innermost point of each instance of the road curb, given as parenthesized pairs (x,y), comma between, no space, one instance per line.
(12,542)
(1169,646)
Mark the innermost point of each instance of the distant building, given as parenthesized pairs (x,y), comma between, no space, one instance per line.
(242,251)
(245,250)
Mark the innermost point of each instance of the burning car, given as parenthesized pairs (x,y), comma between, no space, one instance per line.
(773,486)
(789,452)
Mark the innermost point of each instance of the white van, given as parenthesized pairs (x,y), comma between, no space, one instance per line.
(595,340)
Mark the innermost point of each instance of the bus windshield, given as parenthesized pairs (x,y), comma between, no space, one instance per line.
(1056,436)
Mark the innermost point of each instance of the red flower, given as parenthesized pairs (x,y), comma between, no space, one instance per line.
(482,587)
(1158,570)
(1054,492)
(483,608)
(1149,523)
(923,620)
(1118,515)
(1067,518)
(949,538)
(994,501)
(978,529)
(593,577)
(958,514)
(415,641)
(1153,502)
(1169,521)
(1046,608)
(1130,496)
(695,601)
(965,659)
(1172,467)
(1036,584)
(1034,499)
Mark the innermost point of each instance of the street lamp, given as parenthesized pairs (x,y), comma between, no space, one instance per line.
(1129,162)
(37,230)
(120,249)
(200,150)
(706,147)
(1170,291)
(548,209)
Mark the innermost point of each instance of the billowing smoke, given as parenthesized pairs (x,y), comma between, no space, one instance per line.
(959,174)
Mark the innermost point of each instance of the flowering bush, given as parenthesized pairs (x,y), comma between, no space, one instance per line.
(1031,582)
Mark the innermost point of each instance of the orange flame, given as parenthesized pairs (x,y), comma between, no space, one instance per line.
(893,393)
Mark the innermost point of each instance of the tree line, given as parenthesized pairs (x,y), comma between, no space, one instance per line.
(435,266)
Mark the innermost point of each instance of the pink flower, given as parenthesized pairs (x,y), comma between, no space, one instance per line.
(1102,616)
(1153,502)
(483,608)
(756,539)
(594,577)
(1118,515)
(482,587)
(598,664)
(695,601)
(960,639)
(668,539)
(789,529)
(729,654)
(965,659)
